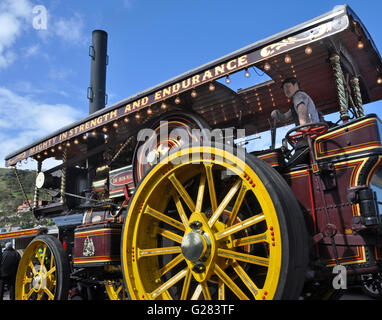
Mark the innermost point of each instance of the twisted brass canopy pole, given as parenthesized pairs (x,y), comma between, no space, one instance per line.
(357,96)
(339,77)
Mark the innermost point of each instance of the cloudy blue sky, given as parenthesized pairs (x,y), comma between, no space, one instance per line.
(44,64)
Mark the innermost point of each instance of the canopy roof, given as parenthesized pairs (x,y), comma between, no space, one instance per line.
(308,46)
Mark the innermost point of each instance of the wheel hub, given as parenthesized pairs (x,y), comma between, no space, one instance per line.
(194,245)
(36,283)
(39,281)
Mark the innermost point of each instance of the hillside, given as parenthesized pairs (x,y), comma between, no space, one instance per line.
(11,197)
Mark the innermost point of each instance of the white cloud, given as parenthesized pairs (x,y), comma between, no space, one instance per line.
(70,30)
(20,8)
(13,17)
(24,120)
(16,17)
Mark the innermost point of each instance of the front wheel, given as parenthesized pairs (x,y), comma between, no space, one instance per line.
(43,272)
(207,223)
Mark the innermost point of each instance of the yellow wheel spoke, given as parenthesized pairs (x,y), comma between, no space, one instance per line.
(158,251)
(49,293)
(160,216)
(243,257)
(181,212)
(27,280)
(186,285)
(211,187)
(245,278)
(31,265)
(197,292)
(182,192)
(258,238)
(215,216)
(169,283)
(41,257)
(51,271)
(239,200)
(29,294)
(51,261)
(118,290)
(240,226)
(199,199)
(170,235)
(206,291)
(221,290)
(230,283)
(179,258)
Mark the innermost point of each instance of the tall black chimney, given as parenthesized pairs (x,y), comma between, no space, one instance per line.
(97,101)
(98,54)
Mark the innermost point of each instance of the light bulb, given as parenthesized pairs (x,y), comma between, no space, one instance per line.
(287,59)
(308,50)
(267,66)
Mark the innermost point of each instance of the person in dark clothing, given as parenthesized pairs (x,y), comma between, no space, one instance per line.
(8,270)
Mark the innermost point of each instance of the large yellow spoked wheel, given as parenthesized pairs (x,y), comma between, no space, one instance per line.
(206,223)
(43,272)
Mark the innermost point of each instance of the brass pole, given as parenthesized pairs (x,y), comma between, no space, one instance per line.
(357,96)
(339,77)
(63,176)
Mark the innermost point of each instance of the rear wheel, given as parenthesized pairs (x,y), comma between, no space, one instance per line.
(43,272)
(173,130)
(204,223)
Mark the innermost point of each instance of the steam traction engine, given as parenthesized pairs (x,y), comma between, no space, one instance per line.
(153,200)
